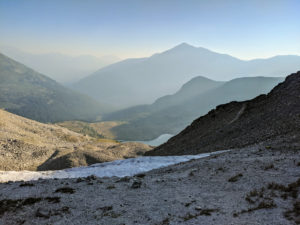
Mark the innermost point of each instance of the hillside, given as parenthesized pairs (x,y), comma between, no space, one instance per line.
(60,67)
(273,118)
(29,145)
(30,94)
(94,129)
(141,81)
(172,113)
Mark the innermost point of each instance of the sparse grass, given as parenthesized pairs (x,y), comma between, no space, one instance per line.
(30,140)
(190,216)
(189,203)
(207,212)
(106,208)
(202,212)
(12,205)
(70,138)
(103,140)
(262,205)
(294,213)
(96,130)
(65,190)
(291,190)
(89,147)
(235,178)
(254,195)
(191,174)
(220,170)
(269,167)
(107,211)
(111,187)
(263,199)
(26,184)
(53,199)
(166,221)
(140,175)
(59,133)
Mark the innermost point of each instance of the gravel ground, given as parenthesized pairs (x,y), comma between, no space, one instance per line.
(254,185)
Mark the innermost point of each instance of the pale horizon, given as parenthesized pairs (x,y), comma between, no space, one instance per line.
(146,55)
(135,29)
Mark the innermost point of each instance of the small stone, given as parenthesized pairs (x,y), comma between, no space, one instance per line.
(42,213)
(136,184)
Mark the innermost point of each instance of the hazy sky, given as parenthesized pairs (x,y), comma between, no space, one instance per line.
(136,28)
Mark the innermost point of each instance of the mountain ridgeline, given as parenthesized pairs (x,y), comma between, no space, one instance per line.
(33,95)
(141,81)
(172,113)
(59,67)
(273,119)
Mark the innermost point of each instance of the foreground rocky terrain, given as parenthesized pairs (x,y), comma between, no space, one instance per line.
(29,145)
(254,185)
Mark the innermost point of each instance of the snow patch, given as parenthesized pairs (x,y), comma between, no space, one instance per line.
(118,168)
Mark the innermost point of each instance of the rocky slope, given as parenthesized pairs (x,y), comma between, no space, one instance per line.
(29,145)
(254,185)
(275,116)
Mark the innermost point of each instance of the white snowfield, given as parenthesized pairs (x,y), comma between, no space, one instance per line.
(118,168)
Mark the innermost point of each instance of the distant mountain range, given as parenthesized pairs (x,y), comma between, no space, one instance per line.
(60,67)
(273,119)
(143,80)
(33,95)
(172,113)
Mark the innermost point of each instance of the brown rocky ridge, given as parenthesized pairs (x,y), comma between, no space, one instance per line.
(30,145)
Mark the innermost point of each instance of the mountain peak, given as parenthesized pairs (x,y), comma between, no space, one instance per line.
(184,45)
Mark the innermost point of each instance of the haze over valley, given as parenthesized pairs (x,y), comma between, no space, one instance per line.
(149,112)
(63,68)
(139,81)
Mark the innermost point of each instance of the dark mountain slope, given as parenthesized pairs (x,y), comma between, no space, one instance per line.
(274,116)
(173,113)
(30,94)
